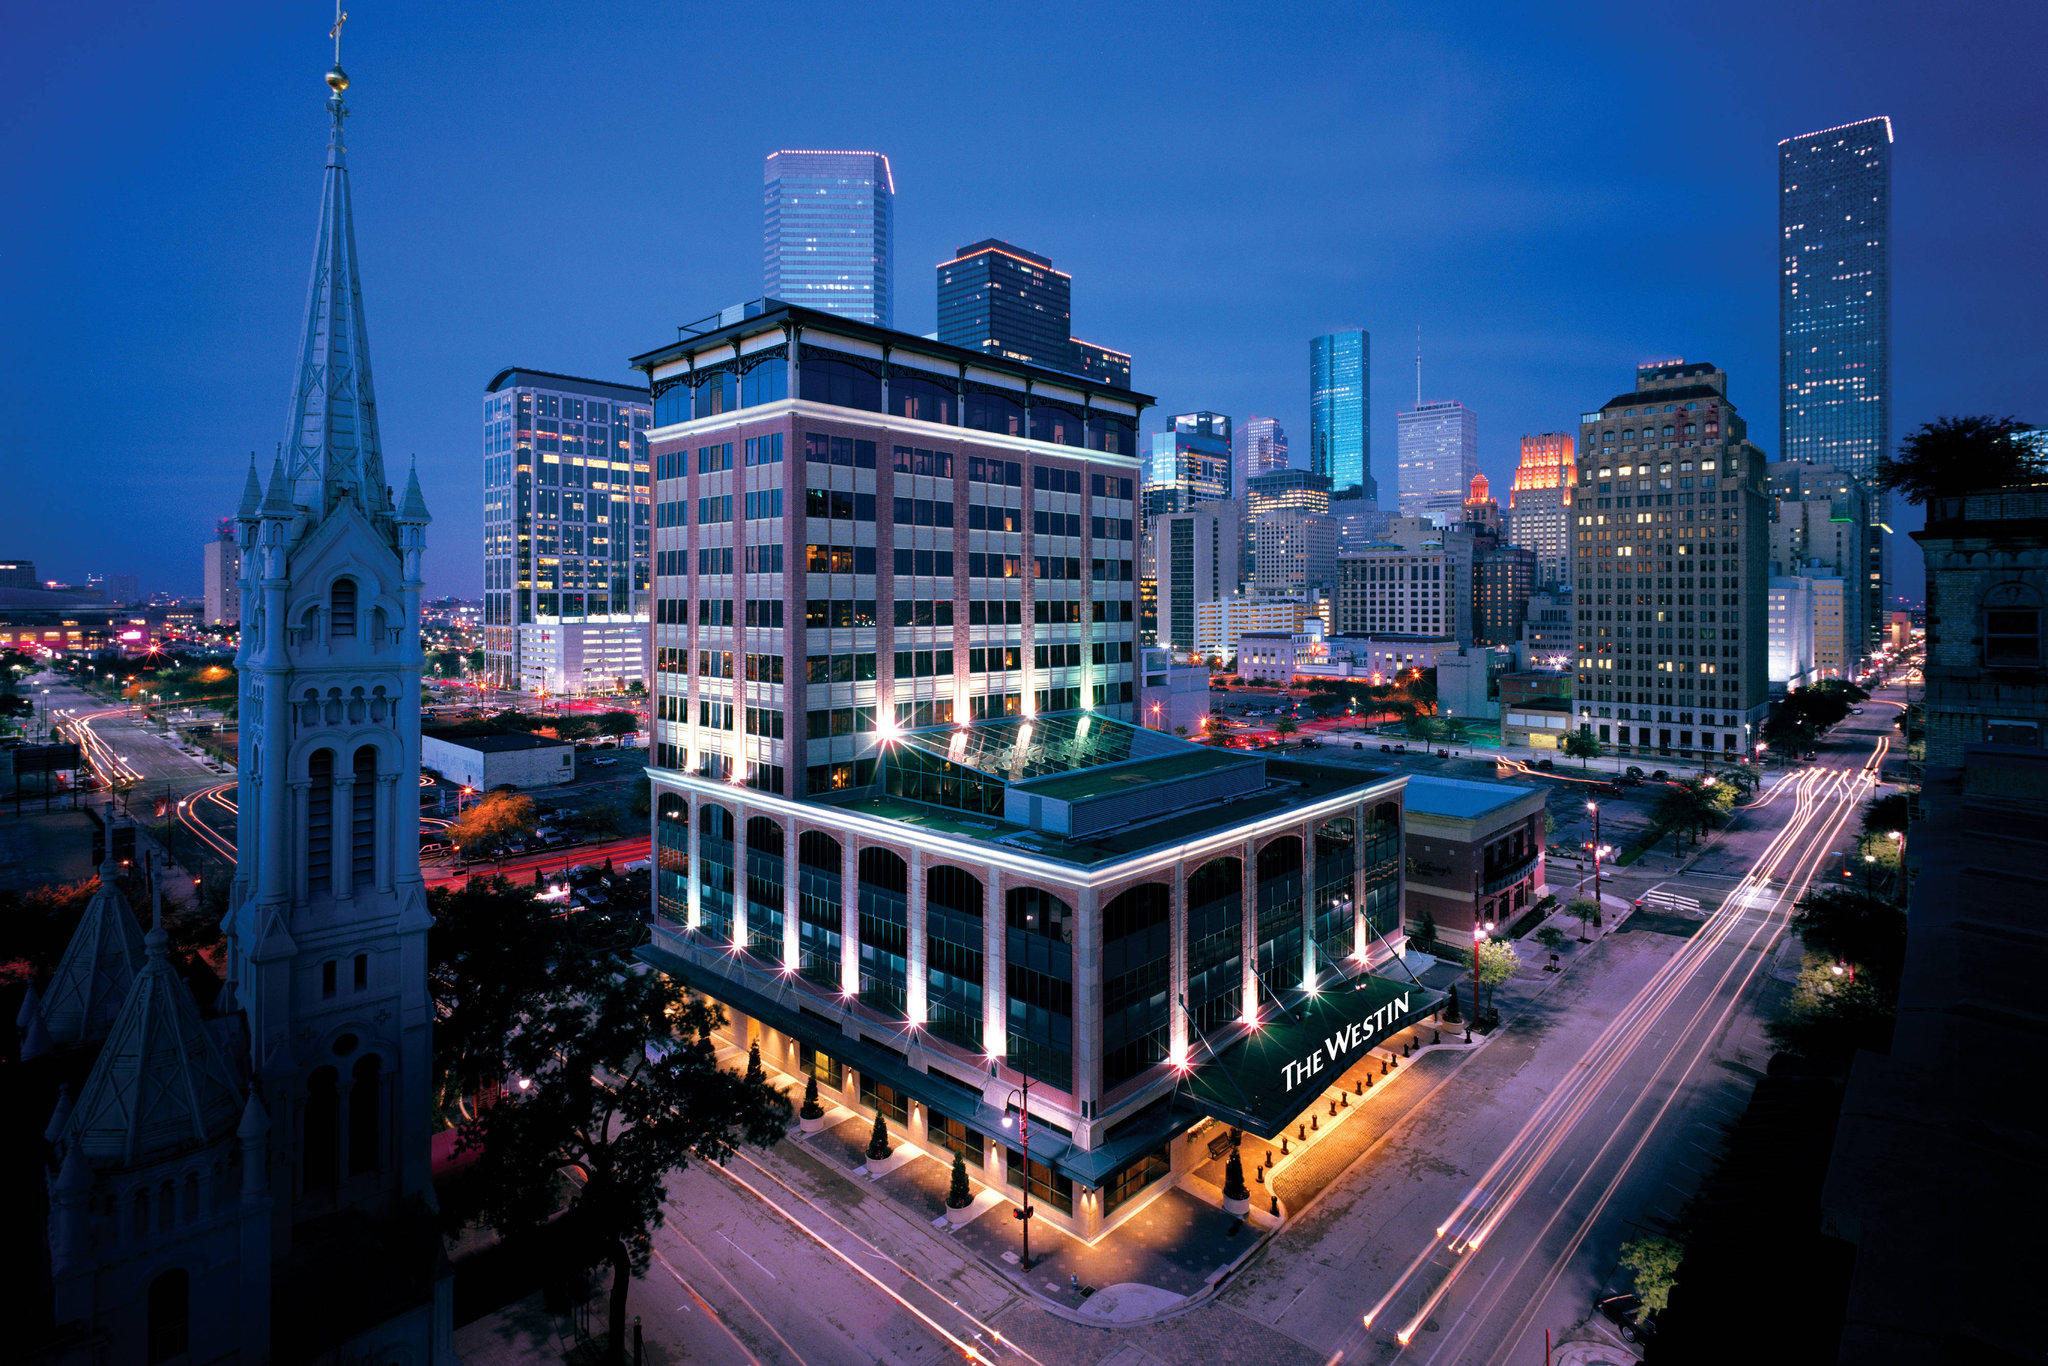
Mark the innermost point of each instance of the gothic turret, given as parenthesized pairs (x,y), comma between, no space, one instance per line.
(98,967)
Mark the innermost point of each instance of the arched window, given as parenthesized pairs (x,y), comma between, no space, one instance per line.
(363,828)
(341,610)
(1216,942)
(320,821)
(1136,945)
(884,901)
(1039,1005)
(319,1142)
(365,1117)
(170,1315)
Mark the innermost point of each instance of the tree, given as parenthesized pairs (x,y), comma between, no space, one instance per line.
(1580,746)
(495,953)
(1652,1261)
(959,1195)
(1849,925)
(1952,456)
(811,1109)
(1587,911)
(1285,727)
(1694,805)
(1832,1014)
(754,1072)
(494,822)
(625,1090)
(575,727)
(617,722)
(878,1141)
(1498,961)
(1893,811)
(1551,938)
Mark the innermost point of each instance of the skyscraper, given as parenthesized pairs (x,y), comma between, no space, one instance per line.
(1438,453)
(1261,449)
(1539,505)
(1103,364)
(1834,315)
(1005,301)
(1670,616)
(1340,412)
(1188,464)
(830,232)
(223,576)
(566,501)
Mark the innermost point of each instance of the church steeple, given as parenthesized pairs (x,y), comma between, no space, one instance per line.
(335,454)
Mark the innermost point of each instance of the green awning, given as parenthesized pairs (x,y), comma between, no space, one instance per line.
(1267,1076)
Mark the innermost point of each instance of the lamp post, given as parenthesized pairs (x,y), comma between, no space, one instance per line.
(1480,931)
(1899,879)
(1023,1215)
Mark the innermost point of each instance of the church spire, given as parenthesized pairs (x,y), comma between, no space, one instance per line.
(334,452)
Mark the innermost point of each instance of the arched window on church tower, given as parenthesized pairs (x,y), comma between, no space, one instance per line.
(365,1117)
(322,1133)
(170,1316)
(341,610)
(320,821)
(363,828)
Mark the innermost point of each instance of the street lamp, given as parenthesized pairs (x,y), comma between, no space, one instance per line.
(1022,1094)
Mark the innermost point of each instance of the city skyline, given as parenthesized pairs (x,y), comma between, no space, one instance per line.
(1517,349)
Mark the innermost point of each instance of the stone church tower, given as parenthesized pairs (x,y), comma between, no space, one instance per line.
(251,1183)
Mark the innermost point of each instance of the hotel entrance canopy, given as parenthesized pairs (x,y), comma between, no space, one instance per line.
(1266,1077)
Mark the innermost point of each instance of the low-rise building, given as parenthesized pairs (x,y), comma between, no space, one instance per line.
(1474,853)
(1535,707)
(502,759)
(1987,590)
(1172,697)
(1547,631)
(1466,682)
(1218,624)
(598,654)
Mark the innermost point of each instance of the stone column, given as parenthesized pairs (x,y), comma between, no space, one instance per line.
(995,975)
(1361,937)
(341,846)
(1249,884)
(390,821)
(302,830)
(916,980)
(1310,904)
(739,875)
(1087,951)
(1177,1031)
(792,947)
(693,884)
(849,917)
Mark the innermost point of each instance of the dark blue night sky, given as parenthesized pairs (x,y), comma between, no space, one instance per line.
(1554,194)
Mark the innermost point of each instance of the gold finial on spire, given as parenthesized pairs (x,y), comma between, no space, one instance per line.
(337,79)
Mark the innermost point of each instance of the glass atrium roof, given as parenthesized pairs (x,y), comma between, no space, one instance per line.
(1015,749)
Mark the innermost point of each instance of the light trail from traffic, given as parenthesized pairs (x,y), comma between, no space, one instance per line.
(1824,799)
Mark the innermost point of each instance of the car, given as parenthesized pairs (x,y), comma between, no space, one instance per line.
(1443,754)
(1625,1312)
(1633,771)
(605,762)
(1855,711)
(434,850)
(1386,749)
(1546,764)
(1360,744)
(1622,780)
(1658,775)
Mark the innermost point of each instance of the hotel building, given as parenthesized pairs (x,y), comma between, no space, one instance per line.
(1671,561)
(906,829)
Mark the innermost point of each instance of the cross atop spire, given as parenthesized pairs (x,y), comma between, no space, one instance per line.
(334,454)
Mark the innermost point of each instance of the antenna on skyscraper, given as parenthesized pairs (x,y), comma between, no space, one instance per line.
(1418,363)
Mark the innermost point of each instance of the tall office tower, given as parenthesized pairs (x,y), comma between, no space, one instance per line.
(1284,490)
(1261,448)
(223,576)
(1503,581)
(1103,364)
(1834,319)
(900,798)
(19,574)
(1005,301)
(1198,560)
(1820,519)
(1189,464)
(1671,569)
(1294,551)
(566,512)
(830,225)
(1437,449)
(1482,509)
(1340,412)
(1360,523)
(1539,504)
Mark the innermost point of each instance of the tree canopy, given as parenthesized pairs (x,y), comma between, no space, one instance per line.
(494,822)
(1952,456)
(1852,926)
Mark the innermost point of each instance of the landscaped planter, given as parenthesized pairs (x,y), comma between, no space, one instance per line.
(812,1126)
(957,1217)
(1239,1208)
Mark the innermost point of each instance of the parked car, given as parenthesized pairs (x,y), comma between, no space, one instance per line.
(605,762)
(1625,1312)
(1634,772)
(1622,780)
(1386,749)
(435,850)
(1546,764)
(1360,744)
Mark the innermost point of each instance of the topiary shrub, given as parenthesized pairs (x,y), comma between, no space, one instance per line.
(755,1076)
(811,1109)
(959,1196)
(1234,1187)
(878,1142)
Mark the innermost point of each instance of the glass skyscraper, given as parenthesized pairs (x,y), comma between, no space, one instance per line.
(829,220)
(1340,412)
(1009,302)
(1834,311)
(1437,453)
